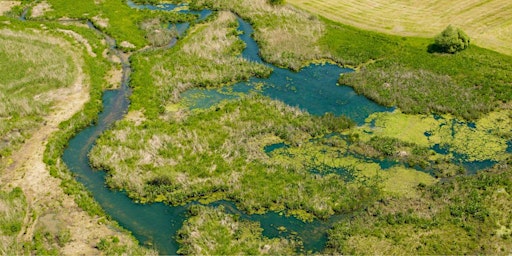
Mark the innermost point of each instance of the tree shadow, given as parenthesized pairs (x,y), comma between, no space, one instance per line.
(434,48)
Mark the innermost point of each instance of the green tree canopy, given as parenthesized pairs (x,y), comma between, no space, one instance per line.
(276,2)
(452,40)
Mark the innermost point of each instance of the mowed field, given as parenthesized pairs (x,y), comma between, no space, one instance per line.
(487,22)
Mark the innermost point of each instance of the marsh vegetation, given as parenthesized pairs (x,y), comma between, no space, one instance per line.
(264,155)
(212,231)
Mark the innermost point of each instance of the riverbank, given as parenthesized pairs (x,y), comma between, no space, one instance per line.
(51,221)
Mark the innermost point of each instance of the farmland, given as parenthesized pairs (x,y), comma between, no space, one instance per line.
(488,23)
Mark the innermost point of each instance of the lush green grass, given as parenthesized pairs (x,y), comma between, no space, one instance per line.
(465,215)
(210,231)
(218,153)
(487,22)
(13,207)
(163,152)
(399,71)
(114,17)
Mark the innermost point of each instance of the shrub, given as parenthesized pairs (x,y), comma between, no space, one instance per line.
(276,2)
(452,40)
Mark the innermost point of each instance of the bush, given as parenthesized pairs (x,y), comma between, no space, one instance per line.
(452,40)
(276,2)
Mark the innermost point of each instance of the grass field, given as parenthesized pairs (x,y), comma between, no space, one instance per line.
(488,23)
(32,60)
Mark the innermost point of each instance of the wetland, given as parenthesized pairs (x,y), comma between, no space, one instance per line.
(222,132)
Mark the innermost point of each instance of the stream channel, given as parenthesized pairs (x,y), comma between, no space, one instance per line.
(314,89)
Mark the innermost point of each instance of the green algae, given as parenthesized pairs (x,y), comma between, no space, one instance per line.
(485,140)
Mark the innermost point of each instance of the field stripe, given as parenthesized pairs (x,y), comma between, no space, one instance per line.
(488,22)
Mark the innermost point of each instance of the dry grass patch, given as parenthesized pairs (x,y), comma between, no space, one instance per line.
(287,36)
(37,66)
(40,9)
(488,23)
(6,6)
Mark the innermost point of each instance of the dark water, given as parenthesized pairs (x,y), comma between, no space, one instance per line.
(314,88)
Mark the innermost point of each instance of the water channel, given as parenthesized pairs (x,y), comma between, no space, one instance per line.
(314,89)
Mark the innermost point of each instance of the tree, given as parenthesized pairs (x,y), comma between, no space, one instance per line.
(276,2)
(452,40)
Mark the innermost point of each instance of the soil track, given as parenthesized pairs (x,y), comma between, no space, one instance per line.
(44,195)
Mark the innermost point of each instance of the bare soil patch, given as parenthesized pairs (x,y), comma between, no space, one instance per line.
(6,6)
(40,9)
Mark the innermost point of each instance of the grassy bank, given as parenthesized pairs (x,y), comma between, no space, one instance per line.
(398,71)
(206,58)
(46,221)
(403,73)
(212,231)
(164,152)
(12,212)
(287,37)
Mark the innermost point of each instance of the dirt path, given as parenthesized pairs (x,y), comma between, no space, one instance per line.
(44,195)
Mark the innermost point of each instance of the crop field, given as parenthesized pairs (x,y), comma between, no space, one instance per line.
(488,23)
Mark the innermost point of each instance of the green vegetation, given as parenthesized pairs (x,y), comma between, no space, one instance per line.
(465,215)
(286,36)
(452,40)
(487,140)
(40,60)
(206,58)
(163,152)
(12,212)
(210,231)
(276,2)
(115,18)
(487,22)
(398,71)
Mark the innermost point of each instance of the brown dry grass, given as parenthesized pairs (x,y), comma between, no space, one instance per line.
(488,23)
(6,6)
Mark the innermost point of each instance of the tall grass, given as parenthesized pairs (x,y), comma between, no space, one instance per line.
(37,67)
(13,206)
(206,58)
(212,231)
(287,37)
(219,152)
